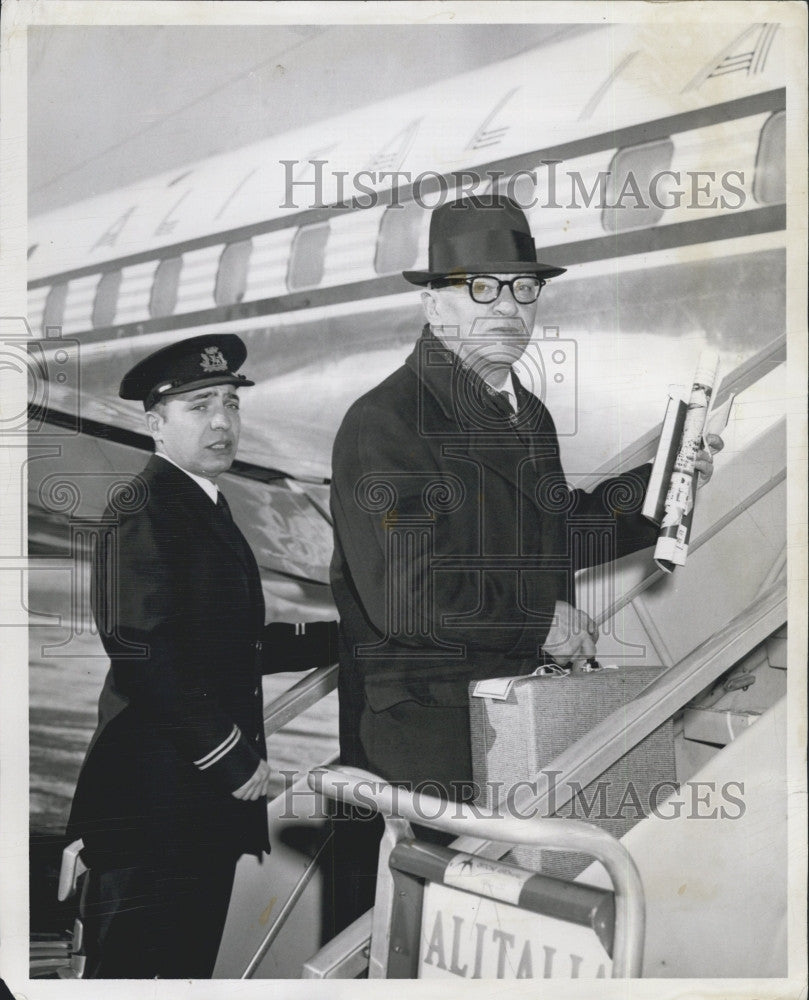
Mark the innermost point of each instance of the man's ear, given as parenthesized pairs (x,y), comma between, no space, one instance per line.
(430,307)
(154,422)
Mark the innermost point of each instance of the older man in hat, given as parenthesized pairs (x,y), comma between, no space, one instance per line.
(172,790)
(451,559)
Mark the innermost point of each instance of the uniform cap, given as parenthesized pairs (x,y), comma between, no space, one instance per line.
(212,359)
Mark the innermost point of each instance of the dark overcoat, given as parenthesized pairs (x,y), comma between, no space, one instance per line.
(455,535)
(178,602)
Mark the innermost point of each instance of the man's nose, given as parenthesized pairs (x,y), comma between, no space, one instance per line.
(505,304)
(220,418)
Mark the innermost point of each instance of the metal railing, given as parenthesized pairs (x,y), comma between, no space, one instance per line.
(400,808)
(302,695)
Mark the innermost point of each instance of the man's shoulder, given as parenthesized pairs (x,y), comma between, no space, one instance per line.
(393,398)
(142,494)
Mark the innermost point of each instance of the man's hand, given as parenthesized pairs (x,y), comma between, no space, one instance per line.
(572,637)
(704,460)
(256,786)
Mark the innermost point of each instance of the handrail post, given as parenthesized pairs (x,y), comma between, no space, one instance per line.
(395,830)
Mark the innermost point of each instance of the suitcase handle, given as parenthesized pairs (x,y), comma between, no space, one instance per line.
(554,670)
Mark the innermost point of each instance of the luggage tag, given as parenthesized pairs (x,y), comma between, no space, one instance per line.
(499,688)
(496,688)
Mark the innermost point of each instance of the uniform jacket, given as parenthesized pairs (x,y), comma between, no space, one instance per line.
(455,535)
(178,602)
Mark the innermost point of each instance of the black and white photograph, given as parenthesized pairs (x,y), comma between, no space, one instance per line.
(403,564)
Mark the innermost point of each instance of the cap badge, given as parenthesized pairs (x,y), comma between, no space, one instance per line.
(213,360)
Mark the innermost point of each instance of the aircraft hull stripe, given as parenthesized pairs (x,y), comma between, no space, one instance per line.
(758,220)
(726,227)
(631,135)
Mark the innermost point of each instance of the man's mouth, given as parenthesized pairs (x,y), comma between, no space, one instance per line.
(220,446)
(512,328)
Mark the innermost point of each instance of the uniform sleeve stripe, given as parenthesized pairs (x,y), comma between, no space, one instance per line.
(219,752)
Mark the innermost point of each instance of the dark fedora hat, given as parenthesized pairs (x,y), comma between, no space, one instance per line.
(480,235)
(212,359)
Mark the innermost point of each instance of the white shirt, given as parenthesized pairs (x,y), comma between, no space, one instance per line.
(210,488)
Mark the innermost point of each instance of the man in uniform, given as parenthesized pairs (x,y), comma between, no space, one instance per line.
(452,515)
(173,787)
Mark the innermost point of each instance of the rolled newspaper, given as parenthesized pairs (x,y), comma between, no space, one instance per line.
(675,528)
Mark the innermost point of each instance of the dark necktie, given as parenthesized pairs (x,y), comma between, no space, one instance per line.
(223,507)
(223,510)
(237,539)
(503,404)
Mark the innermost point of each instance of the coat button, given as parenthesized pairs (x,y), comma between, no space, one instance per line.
(256,692)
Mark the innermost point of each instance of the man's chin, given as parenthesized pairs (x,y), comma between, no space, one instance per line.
(496,353)
(217,467)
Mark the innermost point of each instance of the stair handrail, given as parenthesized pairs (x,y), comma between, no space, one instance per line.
(358,787)
(305,693)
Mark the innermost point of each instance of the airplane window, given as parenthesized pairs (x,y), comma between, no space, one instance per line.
(54,310)
(769,181)
(631,172)
(398,241)
(106,300)
(231,278)
(307,257)
(166,280)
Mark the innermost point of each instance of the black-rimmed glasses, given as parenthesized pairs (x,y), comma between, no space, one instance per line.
(485,288)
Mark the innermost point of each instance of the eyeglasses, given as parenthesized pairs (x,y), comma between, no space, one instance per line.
(485,288)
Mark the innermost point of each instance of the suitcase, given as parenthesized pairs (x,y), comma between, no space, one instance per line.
(515,735)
